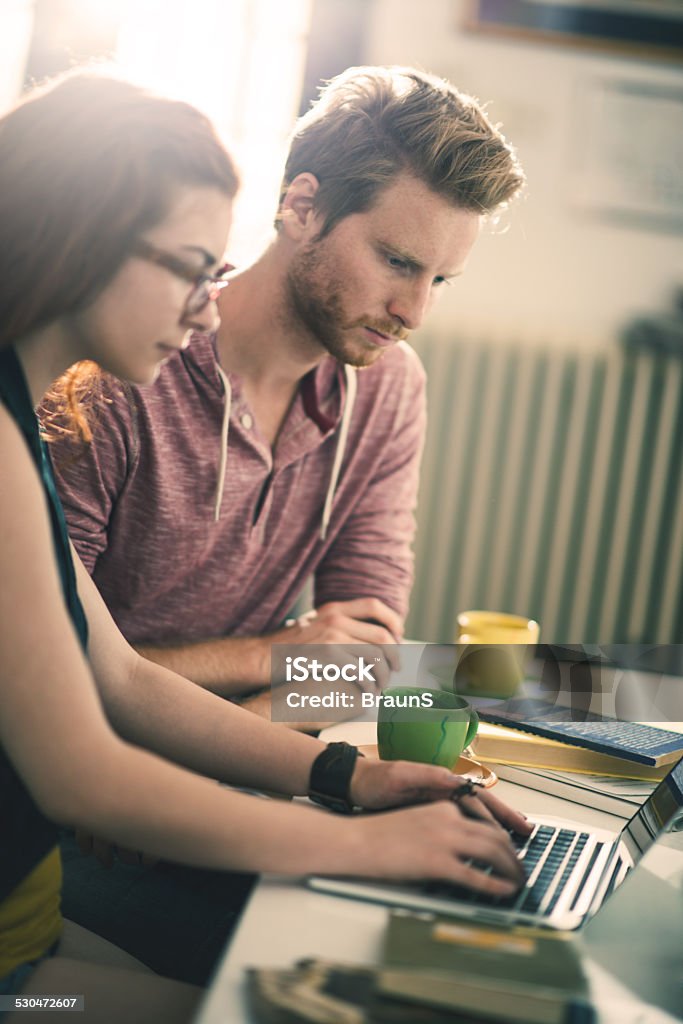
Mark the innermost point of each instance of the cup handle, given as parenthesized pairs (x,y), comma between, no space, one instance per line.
(472,727)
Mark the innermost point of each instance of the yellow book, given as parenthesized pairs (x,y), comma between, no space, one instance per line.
(511,746)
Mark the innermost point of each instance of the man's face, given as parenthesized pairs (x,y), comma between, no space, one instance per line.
(370,281)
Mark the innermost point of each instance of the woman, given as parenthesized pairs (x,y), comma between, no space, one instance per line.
(114,211)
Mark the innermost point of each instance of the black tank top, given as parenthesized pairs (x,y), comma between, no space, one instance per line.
(27,835)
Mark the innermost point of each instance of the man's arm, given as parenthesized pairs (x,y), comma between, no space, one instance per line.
(361,586)
(239,666)
(228,666)
(91,479)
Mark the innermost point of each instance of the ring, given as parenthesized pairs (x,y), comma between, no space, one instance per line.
(468,788)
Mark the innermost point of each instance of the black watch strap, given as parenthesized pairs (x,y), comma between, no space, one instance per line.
(331,772)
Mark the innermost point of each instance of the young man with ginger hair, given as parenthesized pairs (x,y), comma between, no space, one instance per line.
(288,444)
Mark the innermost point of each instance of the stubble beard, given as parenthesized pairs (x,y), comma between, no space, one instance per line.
(319,308)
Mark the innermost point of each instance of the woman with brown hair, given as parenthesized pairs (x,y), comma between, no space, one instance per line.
(114,211)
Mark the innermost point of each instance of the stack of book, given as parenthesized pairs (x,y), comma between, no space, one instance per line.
(435,971)
(477,973)
(603,763)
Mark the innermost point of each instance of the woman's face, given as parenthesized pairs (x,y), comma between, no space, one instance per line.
(140,319)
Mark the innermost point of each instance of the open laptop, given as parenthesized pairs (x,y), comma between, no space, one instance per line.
(570,871)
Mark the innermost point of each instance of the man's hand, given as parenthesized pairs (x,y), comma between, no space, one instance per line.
(237,666)
(365,620)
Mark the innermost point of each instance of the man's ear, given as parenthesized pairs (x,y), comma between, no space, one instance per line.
(297,214)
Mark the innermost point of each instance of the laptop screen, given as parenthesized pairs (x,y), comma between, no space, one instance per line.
(656,815)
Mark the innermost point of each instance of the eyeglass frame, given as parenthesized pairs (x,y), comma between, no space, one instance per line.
(211,284)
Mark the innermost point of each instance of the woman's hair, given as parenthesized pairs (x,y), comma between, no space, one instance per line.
(371,124)
(87,164)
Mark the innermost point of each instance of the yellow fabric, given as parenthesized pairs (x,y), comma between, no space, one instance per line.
(30,917)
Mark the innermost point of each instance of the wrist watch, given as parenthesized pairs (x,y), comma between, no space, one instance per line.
(330,781)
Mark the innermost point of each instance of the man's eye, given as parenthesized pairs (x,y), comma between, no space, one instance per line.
(397,263)
(439,281)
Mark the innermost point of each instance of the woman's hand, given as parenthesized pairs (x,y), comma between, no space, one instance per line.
(379,784)
(436,841)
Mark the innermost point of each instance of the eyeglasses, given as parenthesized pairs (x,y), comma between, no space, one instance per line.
(206,287)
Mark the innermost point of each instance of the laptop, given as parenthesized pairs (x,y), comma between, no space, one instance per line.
(570,871)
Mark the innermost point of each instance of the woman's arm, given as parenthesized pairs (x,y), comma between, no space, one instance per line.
(54,729)
(155,708)
(53,725)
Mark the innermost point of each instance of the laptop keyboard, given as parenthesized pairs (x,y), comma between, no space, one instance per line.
(549,856)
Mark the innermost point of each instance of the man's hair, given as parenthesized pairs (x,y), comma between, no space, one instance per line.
(87,164)
(372,124)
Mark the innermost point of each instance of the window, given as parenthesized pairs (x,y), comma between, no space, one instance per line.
(242,62)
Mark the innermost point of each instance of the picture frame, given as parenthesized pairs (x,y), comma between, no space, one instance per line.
(625,176)
(650,29)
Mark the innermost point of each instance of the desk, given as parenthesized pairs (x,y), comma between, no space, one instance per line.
(285,921)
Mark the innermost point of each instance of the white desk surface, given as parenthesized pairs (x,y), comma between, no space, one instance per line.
(285,921)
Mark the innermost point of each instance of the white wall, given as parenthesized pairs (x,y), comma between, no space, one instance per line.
(560,274)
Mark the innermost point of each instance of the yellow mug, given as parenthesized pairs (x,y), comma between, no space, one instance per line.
(493,649)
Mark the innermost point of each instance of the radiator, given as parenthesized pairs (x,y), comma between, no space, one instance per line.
(551,487)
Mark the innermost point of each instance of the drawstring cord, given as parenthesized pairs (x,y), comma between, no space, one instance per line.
(351,388)
(225,427)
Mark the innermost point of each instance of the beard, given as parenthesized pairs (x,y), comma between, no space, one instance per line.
(316,300)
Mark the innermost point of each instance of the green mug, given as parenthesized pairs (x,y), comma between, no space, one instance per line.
(433,726)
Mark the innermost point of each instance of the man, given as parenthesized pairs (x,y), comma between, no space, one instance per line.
(288,445)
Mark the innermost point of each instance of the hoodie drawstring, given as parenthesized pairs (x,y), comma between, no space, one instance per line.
(225,426)
(349,402)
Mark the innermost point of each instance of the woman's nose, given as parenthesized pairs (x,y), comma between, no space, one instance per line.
(206,319)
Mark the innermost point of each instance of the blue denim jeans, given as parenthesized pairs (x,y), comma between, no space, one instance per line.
(176,920)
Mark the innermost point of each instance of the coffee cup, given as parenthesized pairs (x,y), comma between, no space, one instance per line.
(493,651)
(432,726)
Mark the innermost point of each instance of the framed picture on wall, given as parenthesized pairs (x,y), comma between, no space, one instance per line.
(630,177)
(651,29)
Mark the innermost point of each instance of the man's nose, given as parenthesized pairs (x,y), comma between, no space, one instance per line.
(410,304)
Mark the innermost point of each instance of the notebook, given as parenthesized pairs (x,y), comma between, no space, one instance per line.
(570,871)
